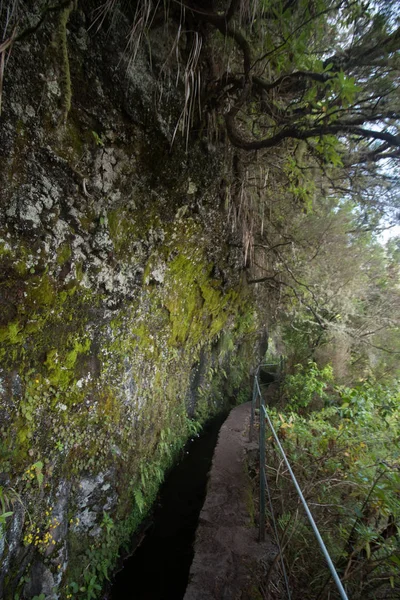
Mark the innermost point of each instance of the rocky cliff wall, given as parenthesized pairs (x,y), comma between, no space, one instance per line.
(122,306)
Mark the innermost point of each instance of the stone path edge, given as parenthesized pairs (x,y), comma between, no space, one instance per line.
(228,558)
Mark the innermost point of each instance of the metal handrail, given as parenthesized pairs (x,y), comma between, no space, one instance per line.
(254,396)
(265,416)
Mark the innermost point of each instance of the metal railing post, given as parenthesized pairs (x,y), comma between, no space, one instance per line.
(262,469)
(253,408)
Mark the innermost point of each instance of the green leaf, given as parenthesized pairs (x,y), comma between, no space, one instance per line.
(395,559)
(5,516)
(139,500)
(97,139)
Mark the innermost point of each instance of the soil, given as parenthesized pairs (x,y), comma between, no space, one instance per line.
(229,561)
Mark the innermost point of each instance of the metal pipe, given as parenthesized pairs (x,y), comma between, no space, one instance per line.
(262,473)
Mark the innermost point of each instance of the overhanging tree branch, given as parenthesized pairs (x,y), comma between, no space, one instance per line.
(304,134)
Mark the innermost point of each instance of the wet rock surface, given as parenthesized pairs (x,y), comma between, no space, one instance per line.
(116,278)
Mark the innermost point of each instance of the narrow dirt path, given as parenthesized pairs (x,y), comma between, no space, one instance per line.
(229,560)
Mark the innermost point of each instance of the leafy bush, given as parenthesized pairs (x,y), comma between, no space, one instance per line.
(309,383)
(346,458)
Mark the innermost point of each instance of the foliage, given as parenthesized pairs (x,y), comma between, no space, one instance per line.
(3,517)
(307,384)
(346,458)
(7,499)
(194,427)
(340,295)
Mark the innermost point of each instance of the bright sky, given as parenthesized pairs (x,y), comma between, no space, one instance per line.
(389,233)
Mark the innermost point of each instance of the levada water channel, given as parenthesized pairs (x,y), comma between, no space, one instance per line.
(159,568)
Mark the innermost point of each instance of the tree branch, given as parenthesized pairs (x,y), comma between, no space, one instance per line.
(303,134)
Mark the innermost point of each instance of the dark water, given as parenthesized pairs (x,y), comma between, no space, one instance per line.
(159,568)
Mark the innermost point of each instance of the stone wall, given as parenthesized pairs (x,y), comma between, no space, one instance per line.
(124,320)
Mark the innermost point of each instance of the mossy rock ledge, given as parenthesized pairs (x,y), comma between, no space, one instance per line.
(124,318)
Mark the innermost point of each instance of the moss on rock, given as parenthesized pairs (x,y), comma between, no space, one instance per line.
(115,287)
